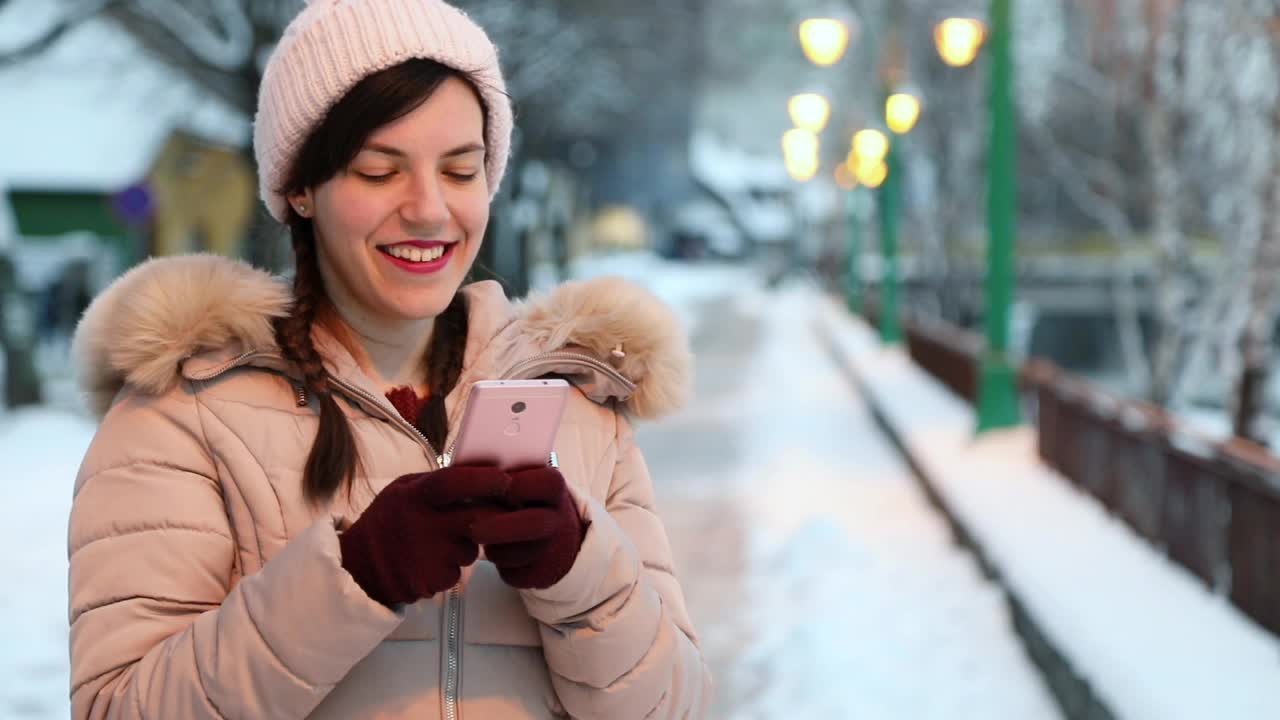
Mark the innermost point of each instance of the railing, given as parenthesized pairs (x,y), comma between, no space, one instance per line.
(1213,507)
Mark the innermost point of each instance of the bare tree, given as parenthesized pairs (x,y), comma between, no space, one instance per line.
(1256,339)
(1163,105)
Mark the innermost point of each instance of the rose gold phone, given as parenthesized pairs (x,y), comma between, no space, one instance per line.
(511,423)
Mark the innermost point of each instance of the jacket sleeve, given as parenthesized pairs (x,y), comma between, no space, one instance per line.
(615,631)
(159,627)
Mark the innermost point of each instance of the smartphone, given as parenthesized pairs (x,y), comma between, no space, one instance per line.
(511,423)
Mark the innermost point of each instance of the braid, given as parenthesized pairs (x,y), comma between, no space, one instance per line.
(444,366)
(333,457)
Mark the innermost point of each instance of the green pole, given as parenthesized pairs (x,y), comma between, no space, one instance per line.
(853,273)
(890,328)
(997,387)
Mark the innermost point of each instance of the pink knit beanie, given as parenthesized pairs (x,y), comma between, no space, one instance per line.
(333,44)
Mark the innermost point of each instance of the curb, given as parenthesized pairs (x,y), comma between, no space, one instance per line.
(1074,695)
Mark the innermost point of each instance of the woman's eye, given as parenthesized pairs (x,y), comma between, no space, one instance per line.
(375,177)
(463,176)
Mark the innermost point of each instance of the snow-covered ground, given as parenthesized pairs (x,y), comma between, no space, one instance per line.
(1152,642)
(40,451)
(822,582)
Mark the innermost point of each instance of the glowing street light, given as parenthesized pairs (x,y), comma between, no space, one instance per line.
(871,174)
(959,39)
(802,168)
(870,145)
(824,40)
(901,111)
(809,111)
(798,141)
(800,152)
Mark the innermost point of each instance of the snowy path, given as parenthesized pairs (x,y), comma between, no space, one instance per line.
(823,583)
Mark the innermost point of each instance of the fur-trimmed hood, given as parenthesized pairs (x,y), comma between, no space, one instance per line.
(143,328)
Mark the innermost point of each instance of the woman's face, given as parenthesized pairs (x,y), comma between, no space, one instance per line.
(399,228)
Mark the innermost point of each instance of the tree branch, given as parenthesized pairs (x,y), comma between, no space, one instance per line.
(53,34)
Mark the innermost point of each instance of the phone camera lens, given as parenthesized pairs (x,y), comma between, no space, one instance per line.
(518,408)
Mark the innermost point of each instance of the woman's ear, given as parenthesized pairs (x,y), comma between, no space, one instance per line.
(302,203)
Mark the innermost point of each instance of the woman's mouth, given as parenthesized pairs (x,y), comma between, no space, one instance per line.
(418,257)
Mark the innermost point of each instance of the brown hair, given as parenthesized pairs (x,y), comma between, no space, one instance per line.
(377,100)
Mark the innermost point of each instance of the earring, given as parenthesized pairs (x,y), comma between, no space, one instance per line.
(302,210)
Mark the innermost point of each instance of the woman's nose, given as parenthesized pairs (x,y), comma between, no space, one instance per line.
(425,205)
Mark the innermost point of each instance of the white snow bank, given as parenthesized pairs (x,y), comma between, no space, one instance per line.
(1148,637)
(41,451)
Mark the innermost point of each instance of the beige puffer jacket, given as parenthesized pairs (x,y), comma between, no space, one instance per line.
(202,585)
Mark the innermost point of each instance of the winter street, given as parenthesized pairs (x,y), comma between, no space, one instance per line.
(823,584)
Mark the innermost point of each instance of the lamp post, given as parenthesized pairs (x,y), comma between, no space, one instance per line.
(958,41)
(997,388)
(866,168)
(902,110)
(824,41)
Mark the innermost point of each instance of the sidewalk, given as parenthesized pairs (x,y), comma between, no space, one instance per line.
(1122,632)
(822,582)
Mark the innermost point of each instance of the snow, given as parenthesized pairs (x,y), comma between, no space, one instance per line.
(731,170)
(92,112)
(42,450)
(681,285)
(1151,641)
(738,178)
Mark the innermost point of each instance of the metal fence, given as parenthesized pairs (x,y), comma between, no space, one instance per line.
(1213,507)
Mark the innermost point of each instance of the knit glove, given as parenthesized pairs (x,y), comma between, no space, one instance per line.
(411,542)
(535,543)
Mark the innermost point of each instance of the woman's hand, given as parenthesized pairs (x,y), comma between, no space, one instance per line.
(535,543)
(412,541)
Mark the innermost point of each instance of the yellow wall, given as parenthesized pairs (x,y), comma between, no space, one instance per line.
(204,197)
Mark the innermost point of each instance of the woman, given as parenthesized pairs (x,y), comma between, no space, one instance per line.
(261,527)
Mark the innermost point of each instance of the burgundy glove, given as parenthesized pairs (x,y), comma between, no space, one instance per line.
(535,543)
(411,542)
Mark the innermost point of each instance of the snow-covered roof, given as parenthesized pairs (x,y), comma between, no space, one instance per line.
(728,169)
(92,112)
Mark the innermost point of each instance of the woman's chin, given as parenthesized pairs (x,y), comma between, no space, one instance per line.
(422,309)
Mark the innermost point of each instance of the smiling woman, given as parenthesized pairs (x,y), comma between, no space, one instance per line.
(283,539)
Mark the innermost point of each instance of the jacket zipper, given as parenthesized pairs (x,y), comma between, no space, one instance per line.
(453,650)
(453,601)
(587,360)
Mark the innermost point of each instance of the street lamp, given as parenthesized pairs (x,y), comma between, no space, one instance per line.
(809,111)
(799,142)
(872,174)
(800,153)
(997,380)
(824,40)
(867,158)
(901,111)
(959,39)
(870,145)
(802,168)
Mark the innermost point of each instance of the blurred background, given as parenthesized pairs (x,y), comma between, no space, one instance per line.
(1105,197)
(1145,249)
